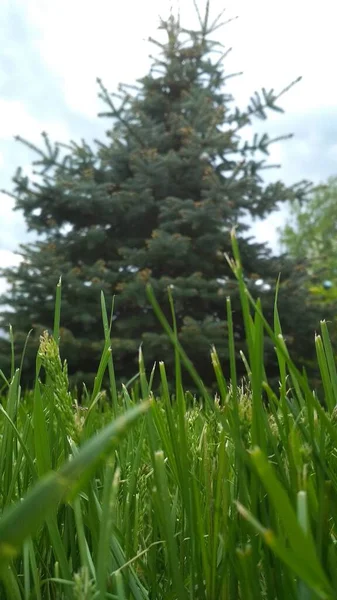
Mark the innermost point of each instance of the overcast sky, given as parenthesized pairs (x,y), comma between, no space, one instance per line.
(52,51)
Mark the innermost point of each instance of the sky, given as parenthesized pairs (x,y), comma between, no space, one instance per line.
(52,53)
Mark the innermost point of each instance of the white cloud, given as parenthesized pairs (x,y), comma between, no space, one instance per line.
(81,41)
(7,259)
(273,43)
(333,151)
(12,226)
(266,231)
(16,119)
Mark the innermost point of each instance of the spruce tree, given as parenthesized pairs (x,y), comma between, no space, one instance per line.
(155,202)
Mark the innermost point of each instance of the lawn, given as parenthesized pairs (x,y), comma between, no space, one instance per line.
(126,494)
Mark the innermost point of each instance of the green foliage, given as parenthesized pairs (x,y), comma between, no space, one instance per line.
(179,496)
(310,233)
(154,203)
(309,237)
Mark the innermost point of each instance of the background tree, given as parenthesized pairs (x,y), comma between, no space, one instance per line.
(310,238)
(155,203)
(310,232)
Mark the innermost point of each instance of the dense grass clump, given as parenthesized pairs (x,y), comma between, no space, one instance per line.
(173,496)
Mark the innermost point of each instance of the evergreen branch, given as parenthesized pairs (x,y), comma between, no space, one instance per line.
(280,138)
(118,115)
(18,138)
(273,166)
(215,22)
(156,43)
(224,23)
(257,108)
(231,75)
(288,87)
(198,13)
(205,30)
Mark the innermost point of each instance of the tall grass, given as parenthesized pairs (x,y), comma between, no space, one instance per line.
(144,497)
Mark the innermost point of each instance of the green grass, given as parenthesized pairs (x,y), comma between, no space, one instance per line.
(181,498)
